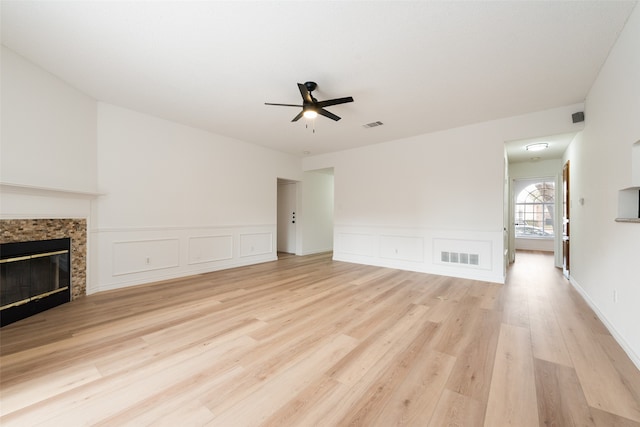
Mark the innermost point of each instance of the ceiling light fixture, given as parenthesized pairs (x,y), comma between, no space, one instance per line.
(310,114)
(538,146)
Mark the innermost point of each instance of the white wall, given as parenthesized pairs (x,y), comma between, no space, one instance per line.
(163,200)
(179,200)
(402,203)
(48,129)
(316,203)
(48,145)
(605,253)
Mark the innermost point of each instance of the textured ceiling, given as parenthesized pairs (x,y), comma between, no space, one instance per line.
(417,67)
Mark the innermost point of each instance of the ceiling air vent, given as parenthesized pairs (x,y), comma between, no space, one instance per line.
(372,124)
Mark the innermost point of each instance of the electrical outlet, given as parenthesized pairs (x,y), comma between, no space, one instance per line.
(615,295)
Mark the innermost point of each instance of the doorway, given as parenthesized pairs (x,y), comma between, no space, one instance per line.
(534,213)
(534,223)
(286,216)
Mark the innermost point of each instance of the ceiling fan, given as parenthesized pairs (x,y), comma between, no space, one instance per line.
(311,107)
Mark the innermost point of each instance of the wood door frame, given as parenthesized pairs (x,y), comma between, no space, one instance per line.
(566,216)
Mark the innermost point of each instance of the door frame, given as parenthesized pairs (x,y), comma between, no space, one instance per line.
(566,216)
(282,217)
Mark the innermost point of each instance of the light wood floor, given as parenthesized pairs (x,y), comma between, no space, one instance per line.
(307,341)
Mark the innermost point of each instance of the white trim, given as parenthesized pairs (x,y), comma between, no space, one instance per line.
(35,189)
(178,227)
(614,333)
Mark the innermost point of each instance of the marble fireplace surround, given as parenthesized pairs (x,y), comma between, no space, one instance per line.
(24,230)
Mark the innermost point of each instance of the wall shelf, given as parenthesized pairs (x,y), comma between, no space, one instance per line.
(629,198)
(632,220)
(629,205)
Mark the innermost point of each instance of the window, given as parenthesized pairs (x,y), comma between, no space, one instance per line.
(534,210)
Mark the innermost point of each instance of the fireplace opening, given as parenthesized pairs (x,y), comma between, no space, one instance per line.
(34,276)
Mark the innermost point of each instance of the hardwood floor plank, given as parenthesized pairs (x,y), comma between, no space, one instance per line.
(454,409)
(512,397)
(546,335)
(561,401)
(604,388)
(414,400)
(100,399)
(603,418)
(281,348)
(370,351)
(306,407)
(24,394)
(516,305)
(487,294)
(471,376)
(278,390)
(455,334)
(180,402)
(628,374)
(375,402)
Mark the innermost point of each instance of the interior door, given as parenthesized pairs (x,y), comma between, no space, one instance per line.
(287,216)
(565,220)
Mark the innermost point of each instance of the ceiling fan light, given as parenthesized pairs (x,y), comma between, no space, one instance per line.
(310,114)
(539,146)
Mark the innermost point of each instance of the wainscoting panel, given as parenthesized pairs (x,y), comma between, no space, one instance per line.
(131,256)
(356,244)
(256,244)
(458,253)
(402,248)
(145,255)
(210,248)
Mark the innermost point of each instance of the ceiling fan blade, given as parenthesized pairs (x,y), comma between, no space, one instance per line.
(305,93)
(296,118)
(325,113)
(283,105)
(336,101)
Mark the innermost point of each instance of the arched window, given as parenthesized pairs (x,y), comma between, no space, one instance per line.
(534,210)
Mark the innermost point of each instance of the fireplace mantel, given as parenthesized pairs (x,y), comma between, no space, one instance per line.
(35,190)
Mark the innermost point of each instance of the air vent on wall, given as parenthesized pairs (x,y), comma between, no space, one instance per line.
(459,258)
(372,124)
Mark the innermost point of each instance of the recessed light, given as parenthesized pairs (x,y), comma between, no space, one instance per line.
(306,153)
(538,146)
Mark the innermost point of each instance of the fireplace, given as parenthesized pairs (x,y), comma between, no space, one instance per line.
(40,229)
(34,276)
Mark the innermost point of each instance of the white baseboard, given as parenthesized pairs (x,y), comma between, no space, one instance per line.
(614,333)
(315,251)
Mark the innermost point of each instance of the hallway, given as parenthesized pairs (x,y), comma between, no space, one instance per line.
(582,376)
